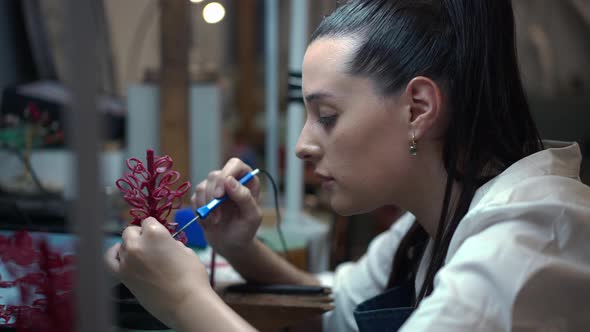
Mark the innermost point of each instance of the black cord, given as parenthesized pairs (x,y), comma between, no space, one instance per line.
(278,212)
(279,230)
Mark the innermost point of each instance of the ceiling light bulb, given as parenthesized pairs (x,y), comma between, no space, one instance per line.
(213,12)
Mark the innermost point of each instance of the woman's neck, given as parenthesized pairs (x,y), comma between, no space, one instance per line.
(425,200)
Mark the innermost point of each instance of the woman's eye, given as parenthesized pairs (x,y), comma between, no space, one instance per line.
(327,121)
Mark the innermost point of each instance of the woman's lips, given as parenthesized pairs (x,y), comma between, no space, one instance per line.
(327,181)
(324,177)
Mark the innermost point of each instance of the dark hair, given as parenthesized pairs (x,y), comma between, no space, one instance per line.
(468,48)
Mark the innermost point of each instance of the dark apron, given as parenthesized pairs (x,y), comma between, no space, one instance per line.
(387,311)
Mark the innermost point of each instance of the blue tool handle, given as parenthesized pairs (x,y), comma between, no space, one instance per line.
(204,210)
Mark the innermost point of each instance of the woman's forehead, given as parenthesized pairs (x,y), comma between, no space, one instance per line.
(325,65)
(332,52)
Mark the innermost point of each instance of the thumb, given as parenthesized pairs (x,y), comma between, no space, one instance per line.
(151,227)
(242,196)
(147,222)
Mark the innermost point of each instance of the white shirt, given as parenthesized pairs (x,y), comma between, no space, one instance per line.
(518,261)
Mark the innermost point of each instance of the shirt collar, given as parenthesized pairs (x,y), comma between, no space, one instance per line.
(558,158)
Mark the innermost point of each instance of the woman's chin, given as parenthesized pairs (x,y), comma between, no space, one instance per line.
(347,208)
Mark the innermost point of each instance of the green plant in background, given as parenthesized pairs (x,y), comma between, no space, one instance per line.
(35,129)
(19,135)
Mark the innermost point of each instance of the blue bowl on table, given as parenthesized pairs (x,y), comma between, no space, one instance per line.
(194,232)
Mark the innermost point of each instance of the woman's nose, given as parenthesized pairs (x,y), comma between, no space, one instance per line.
(307,149)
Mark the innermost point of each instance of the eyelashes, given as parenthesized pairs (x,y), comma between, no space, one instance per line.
(327,121)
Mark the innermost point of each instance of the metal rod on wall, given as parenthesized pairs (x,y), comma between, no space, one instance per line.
(84,133)
(272,90)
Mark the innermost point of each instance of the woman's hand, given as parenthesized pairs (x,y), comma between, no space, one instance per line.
(161,272)
(233,225)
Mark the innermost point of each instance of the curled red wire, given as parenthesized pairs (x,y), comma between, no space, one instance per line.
(44,278)
(149,189)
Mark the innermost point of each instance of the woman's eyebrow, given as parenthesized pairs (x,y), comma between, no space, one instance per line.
(317,96)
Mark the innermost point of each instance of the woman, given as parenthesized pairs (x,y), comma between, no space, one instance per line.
(417,104)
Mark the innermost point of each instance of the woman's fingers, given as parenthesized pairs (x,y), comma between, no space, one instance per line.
(237,168)
(212,189)
(199,198)
(214,185)
(112,258)
(217,185)
(242,196)
(130,239)
(131,233)
(152,229)
(215,216)
(133,238)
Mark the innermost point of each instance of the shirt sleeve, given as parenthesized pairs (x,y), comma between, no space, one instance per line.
(355,282)
(500,280)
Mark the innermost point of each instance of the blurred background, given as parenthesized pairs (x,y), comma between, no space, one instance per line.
(204,81)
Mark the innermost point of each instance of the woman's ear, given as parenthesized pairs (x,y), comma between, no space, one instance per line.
(425,106)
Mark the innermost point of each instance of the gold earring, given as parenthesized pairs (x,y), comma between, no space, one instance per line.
(413,146)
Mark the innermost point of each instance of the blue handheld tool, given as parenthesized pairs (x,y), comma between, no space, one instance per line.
(203,211)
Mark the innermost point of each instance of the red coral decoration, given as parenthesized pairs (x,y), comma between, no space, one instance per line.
(44,277)
(148,189)
(45,281)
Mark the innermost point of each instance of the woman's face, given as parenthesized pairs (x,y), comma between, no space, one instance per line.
(356,139)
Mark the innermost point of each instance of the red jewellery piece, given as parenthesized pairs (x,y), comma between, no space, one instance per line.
(149,189)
